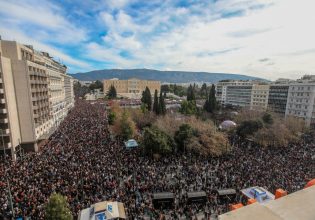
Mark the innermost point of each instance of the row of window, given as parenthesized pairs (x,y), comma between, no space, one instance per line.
(302,88)
(300,94)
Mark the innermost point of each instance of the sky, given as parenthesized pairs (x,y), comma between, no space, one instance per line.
(265,38)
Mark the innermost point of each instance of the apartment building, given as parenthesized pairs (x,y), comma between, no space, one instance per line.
(131,88)
(278,96)
(33,94)
(239,95)
(301,100)
(259,97)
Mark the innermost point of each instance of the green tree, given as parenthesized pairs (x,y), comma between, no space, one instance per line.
(57,208)
(211,102)
(248,127)
(183,135)
(111,118)
(156,108)
(267,118)
(157,141)
(126,126)
(162,106)
(191,93)
(203,91)
(146,98)
(79,90)
(111,94)
(96,85)
(188,108)
(165,88)
(144,108)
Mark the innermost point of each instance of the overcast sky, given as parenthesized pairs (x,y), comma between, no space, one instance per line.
(265,38)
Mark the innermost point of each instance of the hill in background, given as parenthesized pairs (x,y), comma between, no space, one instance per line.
(163,76)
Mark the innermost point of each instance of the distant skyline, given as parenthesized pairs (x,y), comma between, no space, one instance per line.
(264,38)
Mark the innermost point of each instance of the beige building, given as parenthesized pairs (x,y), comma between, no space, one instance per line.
(131,88)
(259,98)
(34,95)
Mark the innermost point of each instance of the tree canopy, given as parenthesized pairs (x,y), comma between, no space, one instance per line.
(146,98)
(57,208)
(157,141)
(162,106)
(211,101)
(191,93)
(188,108)
(156,108)
(111,94)
(183,135)
(249,127)
(96,85)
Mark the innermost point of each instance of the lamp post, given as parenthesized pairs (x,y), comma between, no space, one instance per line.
(6,176)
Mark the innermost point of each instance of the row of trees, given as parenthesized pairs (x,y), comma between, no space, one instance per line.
(200,92)
(167,135)
(81,90)
(159,106)
(189,106)
(269,129)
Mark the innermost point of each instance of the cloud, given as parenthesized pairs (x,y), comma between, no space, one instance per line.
(42,20)
(57,54)
(264,60)
(266,38)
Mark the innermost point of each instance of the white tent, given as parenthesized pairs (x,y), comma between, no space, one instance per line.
(131,143)
(227,124)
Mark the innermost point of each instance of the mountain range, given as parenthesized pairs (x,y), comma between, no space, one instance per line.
(163,76)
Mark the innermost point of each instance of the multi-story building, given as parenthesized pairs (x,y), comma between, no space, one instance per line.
(69,93)
(131,87)
(33,94)
(278,96)
(221,88)
(301,100)
(259,97)
(239,95)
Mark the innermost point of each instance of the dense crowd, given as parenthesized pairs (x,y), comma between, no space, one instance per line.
(85,163)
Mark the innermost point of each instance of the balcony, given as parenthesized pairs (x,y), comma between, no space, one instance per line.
(3,111)
(6,145)
(1,91)
(4,132)
(0,80)
(4,120)
(2,101)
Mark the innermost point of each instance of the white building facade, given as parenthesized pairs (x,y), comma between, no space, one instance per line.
(301,100)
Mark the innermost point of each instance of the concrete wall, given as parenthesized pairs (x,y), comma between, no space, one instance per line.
(11,104)
(24,101)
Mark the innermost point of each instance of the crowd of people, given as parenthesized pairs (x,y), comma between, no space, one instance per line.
(85,163)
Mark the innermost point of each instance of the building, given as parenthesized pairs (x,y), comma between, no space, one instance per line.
(278,96)
(297,205)
(131,88)
(36,95)
(221,88)
(259,97)
(301,100)
(239,95)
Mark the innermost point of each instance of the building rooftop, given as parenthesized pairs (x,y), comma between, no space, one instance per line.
(298,205)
